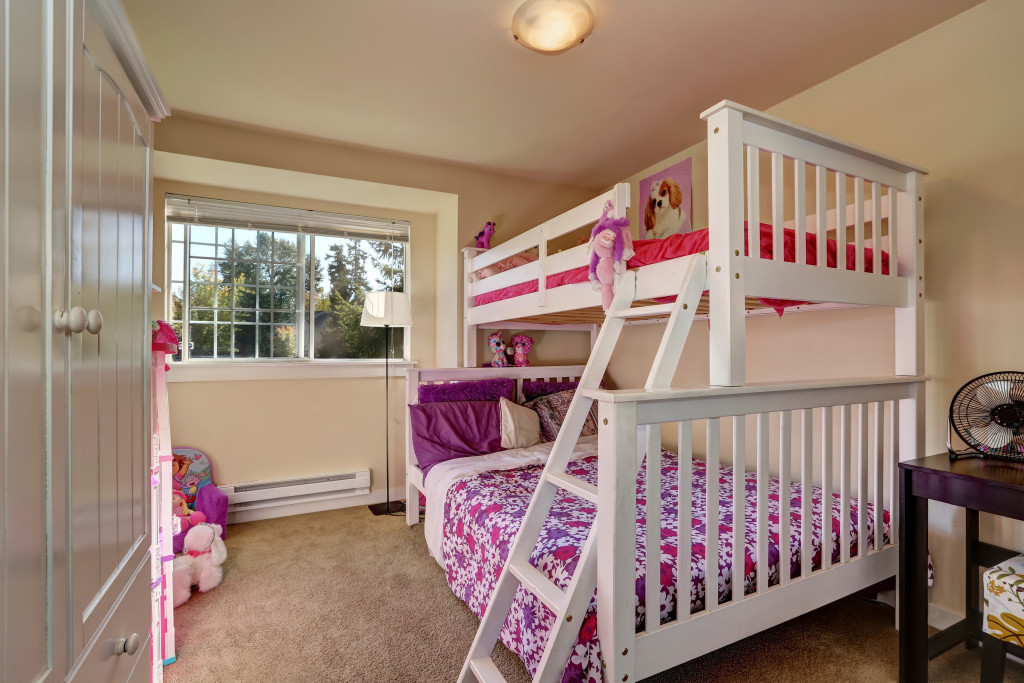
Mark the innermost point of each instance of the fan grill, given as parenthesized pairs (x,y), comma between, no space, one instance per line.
(987,414)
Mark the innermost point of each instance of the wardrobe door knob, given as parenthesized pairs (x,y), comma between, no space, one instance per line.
(127,646)
(74,320)
(94,321)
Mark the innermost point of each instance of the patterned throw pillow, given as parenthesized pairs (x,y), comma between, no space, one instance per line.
(552,410)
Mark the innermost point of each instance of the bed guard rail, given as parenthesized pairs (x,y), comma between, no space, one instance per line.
(804,434)
(809,177)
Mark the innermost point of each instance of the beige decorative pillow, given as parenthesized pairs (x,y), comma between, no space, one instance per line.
(520,427)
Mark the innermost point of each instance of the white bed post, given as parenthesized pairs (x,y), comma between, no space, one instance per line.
(910,247)
(909,323)
(909,327)
(469,353)
(616,538)
(726,260)
(412,494)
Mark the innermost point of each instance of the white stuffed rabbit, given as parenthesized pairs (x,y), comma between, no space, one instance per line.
(199,564)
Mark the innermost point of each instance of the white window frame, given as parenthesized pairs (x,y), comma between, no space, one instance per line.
(220,369)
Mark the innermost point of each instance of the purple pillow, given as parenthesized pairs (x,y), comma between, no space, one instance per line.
(455,429)
(536,388)
(482,390)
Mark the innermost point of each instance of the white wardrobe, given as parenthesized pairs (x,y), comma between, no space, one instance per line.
(77,108)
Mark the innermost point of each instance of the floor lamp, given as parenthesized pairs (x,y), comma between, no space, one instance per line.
(387,310)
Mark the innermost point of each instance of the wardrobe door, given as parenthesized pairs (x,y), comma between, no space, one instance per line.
(25,568)
(108,450)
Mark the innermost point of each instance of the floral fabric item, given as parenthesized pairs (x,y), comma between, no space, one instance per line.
(552,410)
(482,515)
(1004,600)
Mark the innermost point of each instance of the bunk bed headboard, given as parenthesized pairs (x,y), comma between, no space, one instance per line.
(415,377)
(739,140)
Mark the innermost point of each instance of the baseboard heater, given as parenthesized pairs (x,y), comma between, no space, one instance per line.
(265,494)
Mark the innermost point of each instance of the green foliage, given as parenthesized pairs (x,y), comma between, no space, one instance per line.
(260,274)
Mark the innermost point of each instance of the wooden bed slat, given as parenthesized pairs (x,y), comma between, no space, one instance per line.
(785,446)
(711,552)
(762,503)
(739,507)
(685,508)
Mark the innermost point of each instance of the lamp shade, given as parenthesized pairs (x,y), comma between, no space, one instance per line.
(386,308)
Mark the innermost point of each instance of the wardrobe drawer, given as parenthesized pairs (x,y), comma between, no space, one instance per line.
(129,615)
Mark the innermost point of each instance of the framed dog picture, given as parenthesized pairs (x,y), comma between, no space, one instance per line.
(666,201)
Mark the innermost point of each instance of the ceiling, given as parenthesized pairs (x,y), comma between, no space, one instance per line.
(444,79)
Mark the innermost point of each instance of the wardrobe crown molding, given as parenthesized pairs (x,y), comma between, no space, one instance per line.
(112,18)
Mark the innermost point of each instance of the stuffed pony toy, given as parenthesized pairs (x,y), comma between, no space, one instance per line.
(497,346)
(611,246)
(483,238)
(200,563)
(521,345)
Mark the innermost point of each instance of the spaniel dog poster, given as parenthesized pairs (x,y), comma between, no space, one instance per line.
(666,196)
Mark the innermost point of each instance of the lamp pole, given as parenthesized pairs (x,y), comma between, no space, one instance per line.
(385,508)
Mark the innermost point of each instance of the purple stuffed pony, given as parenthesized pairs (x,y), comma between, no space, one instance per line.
(483,238)
(611,246)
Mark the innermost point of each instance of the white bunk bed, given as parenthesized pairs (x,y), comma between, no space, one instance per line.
(808,432)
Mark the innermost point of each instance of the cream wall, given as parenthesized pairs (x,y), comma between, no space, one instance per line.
(272,429)
(260,429)
(951,101)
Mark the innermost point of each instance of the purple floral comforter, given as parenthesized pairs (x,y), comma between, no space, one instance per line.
(482,514)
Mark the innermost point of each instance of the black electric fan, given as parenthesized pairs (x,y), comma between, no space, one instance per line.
(987,414)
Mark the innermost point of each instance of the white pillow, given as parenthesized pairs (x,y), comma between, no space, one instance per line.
(520,427)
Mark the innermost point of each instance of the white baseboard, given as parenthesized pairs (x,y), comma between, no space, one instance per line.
(940,617)
(304,507)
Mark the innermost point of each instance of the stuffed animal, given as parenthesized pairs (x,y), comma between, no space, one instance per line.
(483,238)
(187,516)
(199,564)
(611,246)
(521,345)
(497,346)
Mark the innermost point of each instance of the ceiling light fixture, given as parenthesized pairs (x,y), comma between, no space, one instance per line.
(552,26)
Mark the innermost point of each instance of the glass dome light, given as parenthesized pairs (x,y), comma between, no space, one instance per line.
(552,26)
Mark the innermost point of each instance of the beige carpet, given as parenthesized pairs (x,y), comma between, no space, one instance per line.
(345,596)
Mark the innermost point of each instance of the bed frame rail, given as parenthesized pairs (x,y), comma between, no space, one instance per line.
(807,433)
(546,264)
(884,190)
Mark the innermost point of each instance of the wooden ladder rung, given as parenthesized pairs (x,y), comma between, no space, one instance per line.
(485,670)
(581,488)
(534,581)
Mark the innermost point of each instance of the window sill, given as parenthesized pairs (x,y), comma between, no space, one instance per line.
(270,370)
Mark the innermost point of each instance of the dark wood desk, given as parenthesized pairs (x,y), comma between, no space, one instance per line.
(977,485)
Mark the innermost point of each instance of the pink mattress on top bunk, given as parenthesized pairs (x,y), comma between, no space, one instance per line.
(649,252)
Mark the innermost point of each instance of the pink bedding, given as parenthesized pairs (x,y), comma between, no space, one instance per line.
(676,246)
(483,512)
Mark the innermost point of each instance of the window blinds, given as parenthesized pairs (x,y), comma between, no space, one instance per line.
(226,214)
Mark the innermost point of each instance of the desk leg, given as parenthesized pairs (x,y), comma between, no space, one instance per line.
(913,593)
(973,580)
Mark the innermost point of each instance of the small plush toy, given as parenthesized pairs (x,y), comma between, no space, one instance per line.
(611,246)
(188,517)
(199,564)
(483,238)
(521,345)
(497,346)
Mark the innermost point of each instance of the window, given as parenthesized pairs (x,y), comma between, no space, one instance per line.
(253,282)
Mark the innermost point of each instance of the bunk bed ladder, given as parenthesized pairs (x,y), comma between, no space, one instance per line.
(570,606)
